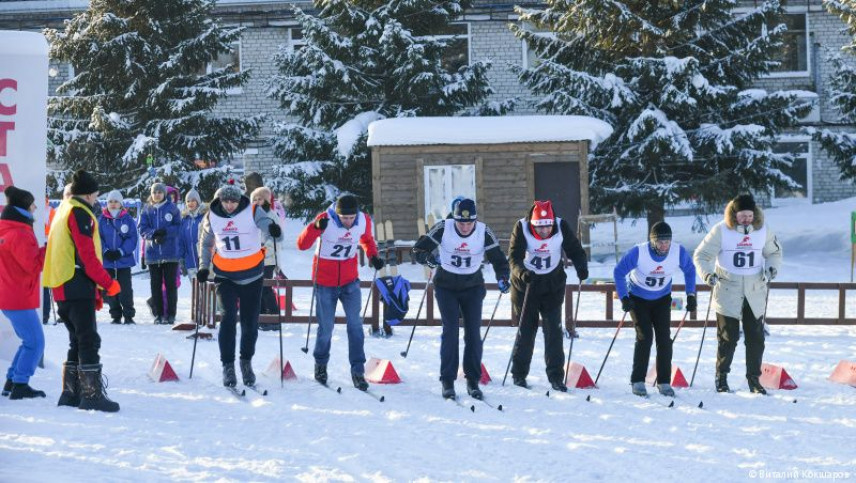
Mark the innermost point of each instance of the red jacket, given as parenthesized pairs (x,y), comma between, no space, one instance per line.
(21,262)
(334,273)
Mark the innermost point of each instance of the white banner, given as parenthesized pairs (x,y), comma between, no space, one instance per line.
(23,128)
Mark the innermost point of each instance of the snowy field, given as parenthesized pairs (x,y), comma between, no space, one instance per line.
(195,430)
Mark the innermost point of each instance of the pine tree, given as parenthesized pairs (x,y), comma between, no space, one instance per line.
(842,145)
(673,78)
(141,92)
(363,61)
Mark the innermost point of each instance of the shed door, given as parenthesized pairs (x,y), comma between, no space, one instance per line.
(560,183)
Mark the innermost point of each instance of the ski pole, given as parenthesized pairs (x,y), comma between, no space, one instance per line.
(766,301)
(706,317)
(683,319)
(305,348)
(489,322)
(196,333)
(371,291)
(418,313)
(278,314)
(517,336)
(573,329)
(620,324)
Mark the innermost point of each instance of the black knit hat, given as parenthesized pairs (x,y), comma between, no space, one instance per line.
(17,197)
(347,205)
(744,203)
(465,210)
(660,231)
(83,183)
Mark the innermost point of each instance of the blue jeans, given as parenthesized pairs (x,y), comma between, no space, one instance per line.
(325,309)
(29,328)
(466,303)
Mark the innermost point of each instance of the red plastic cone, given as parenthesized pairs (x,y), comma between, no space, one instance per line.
(381,371)
(162,371)
(578,376)
(485,376)
(273,369)
(844,373)
(678,379)
(776,377)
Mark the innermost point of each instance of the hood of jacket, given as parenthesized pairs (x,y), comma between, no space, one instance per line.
(731,216)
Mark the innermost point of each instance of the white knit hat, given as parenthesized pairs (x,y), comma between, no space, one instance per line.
(115,195)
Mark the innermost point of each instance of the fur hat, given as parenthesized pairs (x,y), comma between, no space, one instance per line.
(744,203)
(17,197)
(83,183)
(542,214)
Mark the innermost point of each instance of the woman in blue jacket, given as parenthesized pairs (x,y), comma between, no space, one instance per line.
(188,239)
(160,224)
(119,239)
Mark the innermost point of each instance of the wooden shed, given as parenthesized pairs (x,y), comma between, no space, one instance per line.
(419,165)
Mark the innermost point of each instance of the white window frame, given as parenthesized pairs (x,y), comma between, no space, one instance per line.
(525,46)
(209,68)
(447,194)
(809,159)
(292,42)
(797,10)
(468,37)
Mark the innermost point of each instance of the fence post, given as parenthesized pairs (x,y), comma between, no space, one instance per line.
(800,303)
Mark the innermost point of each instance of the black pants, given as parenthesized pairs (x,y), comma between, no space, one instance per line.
(454,304)
(728,333)
(84,341)
(551,317)
(46,304)
(163,274)
(269,302)
(249,297)
(122,304)
(652,319)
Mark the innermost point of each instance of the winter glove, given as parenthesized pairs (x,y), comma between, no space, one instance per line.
(114,289)
(274,230)
(582,273)
(692,305)
(433,261)
(711,280)
(627,304)
(376,262)
(771,273)
(503,285)
(112,255)
(526,276)
(202,275)
(321,223)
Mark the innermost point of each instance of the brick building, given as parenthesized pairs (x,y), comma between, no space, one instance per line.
(483,34)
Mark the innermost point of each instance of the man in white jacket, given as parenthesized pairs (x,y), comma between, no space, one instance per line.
(737,259)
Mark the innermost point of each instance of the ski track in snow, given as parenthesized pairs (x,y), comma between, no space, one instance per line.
(194,430)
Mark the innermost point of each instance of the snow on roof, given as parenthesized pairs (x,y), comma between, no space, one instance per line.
(410,131)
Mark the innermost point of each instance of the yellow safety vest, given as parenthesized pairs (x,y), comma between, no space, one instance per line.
(59,255)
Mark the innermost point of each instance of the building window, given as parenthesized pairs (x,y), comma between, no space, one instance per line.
(799,171)
(793,54)
(295,38)
(530,58)
(223,59)
(445,183)
(457,52)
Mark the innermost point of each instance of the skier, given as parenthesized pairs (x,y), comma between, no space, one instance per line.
(738,259)
(650,266)
(261,199)
(19,289)
(188,238)
(119,239)
(160,223)
(535,255)
(462,243)
(334,272)
(73,269)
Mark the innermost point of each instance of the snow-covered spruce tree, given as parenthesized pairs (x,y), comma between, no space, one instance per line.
(842,145)
(363,61)
(142,87)
(673,78)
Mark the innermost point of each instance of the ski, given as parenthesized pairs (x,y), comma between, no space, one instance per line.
(498,407)
(459,403)
(338,389)
(240,394)
(379,397)
(258,389)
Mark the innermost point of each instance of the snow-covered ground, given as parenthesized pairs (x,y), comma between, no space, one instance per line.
(195,430)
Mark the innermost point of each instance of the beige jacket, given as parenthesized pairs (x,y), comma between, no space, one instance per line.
(732,289)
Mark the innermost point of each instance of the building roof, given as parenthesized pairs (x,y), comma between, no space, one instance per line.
(414,131)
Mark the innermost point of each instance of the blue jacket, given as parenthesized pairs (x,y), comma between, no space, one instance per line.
(153,218)
(188,238)
(631,259)
(118,233)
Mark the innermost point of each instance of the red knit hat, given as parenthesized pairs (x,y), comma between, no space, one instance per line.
(542,214)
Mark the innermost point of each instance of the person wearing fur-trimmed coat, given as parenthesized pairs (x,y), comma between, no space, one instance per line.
(737,259)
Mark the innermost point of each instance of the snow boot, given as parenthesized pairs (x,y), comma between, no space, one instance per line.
(519,381)
(721,382)
(638,389)
(247,373)
(558,385)
(229,377)
(473,389)
(116,321)
(321,373)
(158,321)
(666,389)
(755,385)
(129,321)
(360,381)
(170,320)
(24,391)
(93,390)
(448,389)
(70,385)
(375,332)
(7,388)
